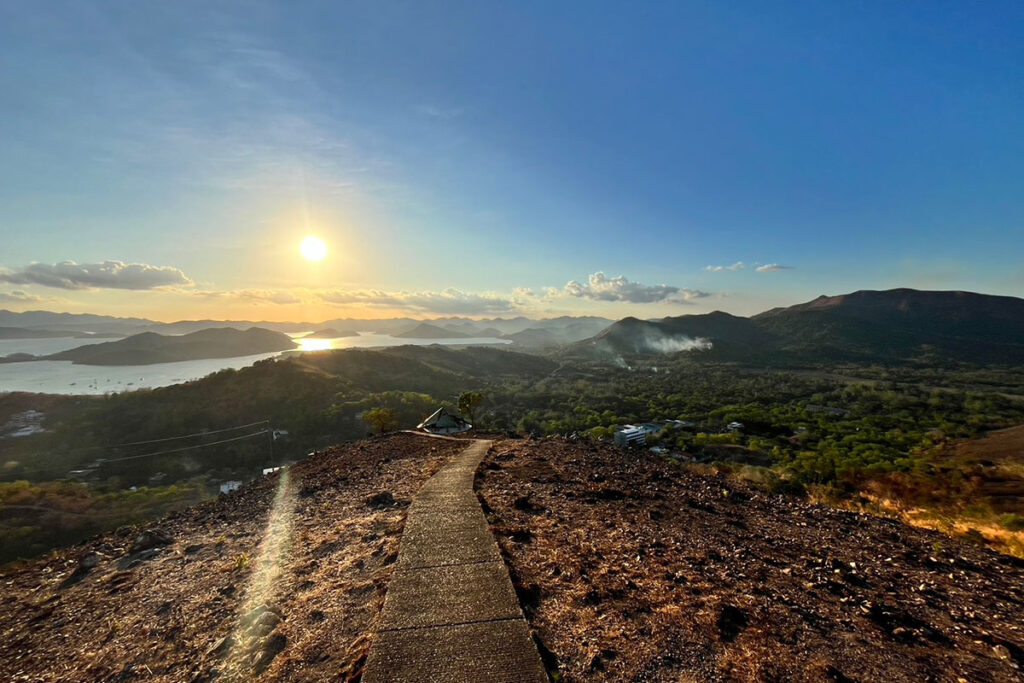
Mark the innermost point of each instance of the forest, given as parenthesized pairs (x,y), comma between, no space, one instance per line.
(864,436)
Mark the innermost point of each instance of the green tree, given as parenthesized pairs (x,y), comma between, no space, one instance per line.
(381,420)
(469,401)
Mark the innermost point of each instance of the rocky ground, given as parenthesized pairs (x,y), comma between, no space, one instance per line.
(280,580)
(629,568)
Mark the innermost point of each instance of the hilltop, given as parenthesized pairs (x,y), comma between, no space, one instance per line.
(195,593)
(632,568)
(627,566)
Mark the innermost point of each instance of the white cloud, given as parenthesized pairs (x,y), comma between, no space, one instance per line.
(106,275)
(600,287)
(20,296)
(768,267)
(739,265)
(445,302)
(274,296)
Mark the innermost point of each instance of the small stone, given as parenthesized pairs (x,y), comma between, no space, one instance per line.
(88,561)
(151,538)
(220,646)
(1001,651)
(273,647)
(381,500)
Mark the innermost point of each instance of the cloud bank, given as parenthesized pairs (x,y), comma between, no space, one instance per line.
(106,275)
(20,296)
(273,296)
(769,267)
(446,302)
(600,287)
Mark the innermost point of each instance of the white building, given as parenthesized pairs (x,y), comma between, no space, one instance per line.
(628,435)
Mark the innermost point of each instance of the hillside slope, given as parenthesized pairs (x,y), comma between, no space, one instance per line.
(631,568)
(162,613)
(901,323)
(628,567)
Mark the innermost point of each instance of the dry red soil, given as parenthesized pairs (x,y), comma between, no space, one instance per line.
(208,598)
(631,569)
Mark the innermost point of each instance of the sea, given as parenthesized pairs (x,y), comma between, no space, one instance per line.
(64,377)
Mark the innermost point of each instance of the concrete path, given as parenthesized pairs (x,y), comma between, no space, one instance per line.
(451,613)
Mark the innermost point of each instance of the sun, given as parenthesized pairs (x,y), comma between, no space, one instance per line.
(313,248)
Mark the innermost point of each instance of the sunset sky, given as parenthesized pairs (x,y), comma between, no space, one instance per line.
(493,159)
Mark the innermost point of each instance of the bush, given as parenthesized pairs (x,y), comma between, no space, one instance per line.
(1012,521)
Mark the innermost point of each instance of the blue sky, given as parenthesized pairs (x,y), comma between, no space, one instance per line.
(476,157)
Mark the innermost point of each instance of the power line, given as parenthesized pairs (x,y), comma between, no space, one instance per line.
(187,436)
(164,440)
(152,455)
(190,448)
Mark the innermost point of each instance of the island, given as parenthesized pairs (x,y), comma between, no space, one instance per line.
(330,333)
(149,347)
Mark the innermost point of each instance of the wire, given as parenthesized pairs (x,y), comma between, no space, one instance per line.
(151,455)
(170,438)
(190,448)
(186,436)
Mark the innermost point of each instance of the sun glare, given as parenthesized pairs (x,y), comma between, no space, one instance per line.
(314,344)
(313,248)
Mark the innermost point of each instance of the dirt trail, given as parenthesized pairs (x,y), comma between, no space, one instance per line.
(451,613)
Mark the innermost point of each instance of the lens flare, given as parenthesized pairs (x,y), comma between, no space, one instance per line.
(259,615)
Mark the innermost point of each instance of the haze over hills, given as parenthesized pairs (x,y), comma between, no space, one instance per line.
(25,333)
(429,331)
(892,325)
(46,324)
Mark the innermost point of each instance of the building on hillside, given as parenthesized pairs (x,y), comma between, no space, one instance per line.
(444,422)
(629,435)
(229,486)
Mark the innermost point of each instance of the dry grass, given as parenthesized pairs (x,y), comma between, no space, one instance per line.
(298,596)
(630,568)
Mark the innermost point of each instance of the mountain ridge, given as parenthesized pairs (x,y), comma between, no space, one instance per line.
(888,325)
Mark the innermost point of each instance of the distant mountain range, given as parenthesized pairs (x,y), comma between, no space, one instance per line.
(101,324)
(892,325)
(429,331)
(148,348)
(884,326)
(524,332)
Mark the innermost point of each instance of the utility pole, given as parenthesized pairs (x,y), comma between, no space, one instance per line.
(270,431)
